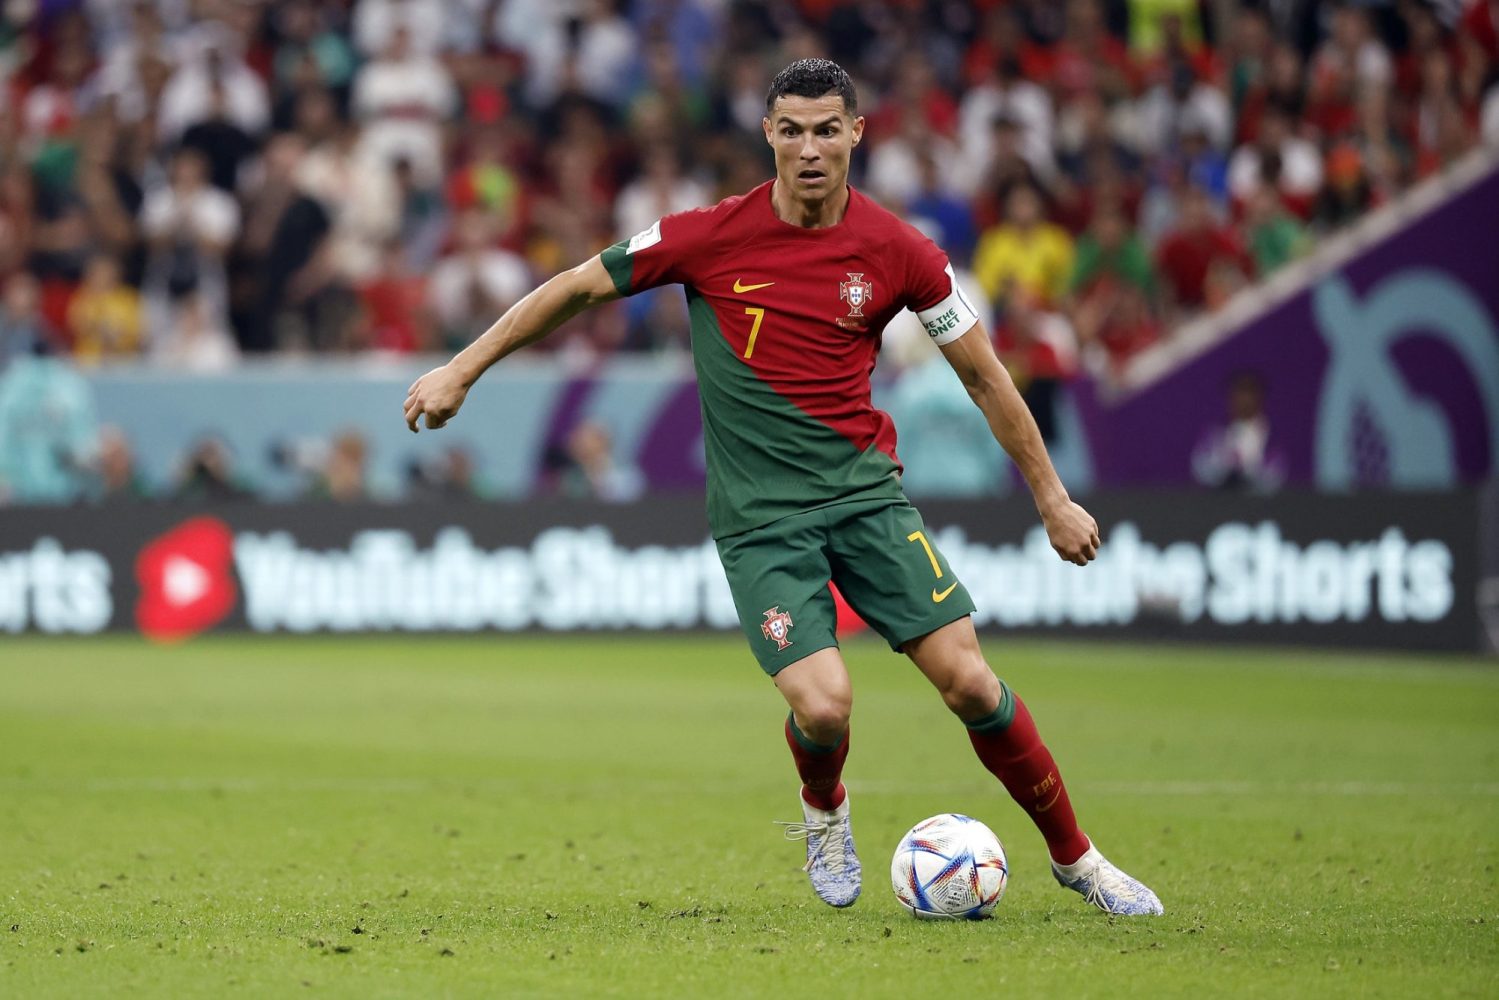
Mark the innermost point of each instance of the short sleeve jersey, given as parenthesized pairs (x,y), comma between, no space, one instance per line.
(786,324)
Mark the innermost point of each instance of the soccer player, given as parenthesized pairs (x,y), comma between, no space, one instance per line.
(788,289)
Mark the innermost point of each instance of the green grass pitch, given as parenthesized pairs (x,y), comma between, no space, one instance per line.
(592,816)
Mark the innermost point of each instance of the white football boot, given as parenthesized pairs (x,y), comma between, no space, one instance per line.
(1106,887)
(831,862)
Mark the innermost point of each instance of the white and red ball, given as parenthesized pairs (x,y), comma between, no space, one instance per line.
(949,867)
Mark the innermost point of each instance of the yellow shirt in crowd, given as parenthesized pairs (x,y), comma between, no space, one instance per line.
(1037,261)
(105,323)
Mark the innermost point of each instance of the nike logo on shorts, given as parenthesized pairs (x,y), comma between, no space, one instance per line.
(941,595)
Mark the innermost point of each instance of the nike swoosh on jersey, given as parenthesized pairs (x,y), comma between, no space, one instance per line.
(1042,809)
(940,596)
(750,288)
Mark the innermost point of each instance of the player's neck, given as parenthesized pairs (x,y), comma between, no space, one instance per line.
(828,211)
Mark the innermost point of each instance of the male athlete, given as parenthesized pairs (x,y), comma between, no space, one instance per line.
(789,288)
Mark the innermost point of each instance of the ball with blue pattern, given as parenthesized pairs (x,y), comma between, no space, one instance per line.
(949,867)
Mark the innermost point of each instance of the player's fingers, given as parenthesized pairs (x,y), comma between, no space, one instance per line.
(413,412)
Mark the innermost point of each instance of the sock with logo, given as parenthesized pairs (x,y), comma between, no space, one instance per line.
(820,766)
(1007,743)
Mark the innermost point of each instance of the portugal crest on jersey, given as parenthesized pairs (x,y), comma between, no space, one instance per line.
(777,627)
(855,291)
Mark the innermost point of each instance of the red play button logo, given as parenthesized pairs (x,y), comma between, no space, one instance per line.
(186,581)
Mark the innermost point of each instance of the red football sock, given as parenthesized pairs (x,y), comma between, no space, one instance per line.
(820,767)
(1010,747)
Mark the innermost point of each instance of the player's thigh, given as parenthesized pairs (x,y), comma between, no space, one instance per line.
(892,573)
(818,690)
(779,576)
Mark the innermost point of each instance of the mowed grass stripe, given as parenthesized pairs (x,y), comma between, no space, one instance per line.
(403,816)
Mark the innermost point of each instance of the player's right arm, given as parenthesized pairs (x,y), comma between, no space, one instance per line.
(439,393)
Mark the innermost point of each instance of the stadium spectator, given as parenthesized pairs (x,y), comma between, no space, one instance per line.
(591,469)
(361,200)
(1275,237)
(475,283)
(189,225)
(217,72)
(1181,103)
(660,189)
(377,22)
(894,173)
(197,341)
(207,474)
(1240,454)
(945,442)
(1111,290)
(48,431)
(937,210)
(116,477)
(403,98)
(1187,254)
(1025,254)
(1347,194)
(1040,349)
(1004,92)
(392,314)
(104,316)
(343,477)
(308,51)
(23,329)
(1277,156)
(446,477)
(222,142)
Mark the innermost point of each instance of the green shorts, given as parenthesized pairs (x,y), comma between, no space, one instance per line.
(878,554)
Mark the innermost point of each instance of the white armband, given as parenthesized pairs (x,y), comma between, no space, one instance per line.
(952,317)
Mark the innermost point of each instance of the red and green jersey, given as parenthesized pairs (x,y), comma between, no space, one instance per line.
(786,325)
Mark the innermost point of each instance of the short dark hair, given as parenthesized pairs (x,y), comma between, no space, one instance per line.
(812,78)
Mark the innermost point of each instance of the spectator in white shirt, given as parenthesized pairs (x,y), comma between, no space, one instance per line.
(1300,176)
(376,22)
(472,286)
(404,98)
(659,190)
(189,225)
(1180,102)
(188,97)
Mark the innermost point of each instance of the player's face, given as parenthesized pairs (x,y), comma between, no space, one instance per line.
(813,138)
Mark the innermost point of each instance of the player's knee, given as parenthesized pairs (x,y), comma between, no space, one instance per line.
(972,692)
(824,718)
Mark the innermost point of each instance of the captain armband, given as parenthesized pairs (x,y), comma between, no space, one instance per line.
(951,318)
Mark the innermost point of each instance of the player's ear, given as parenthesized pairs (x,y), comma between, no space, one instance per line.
(858,129)
(765,125)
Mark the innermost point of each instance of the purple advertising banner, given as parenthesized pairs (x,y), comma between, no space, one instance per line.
(1384,372)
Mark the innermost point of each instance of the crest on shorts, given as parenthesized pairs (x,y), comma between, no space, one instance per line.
(855,291)
(777,626)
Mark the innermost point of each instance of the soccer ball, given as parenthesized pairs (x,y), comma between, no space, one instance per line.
(949,867)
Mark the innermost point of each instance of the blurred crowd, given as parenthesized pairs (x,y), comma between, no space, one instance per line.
(193,181)
(197,179)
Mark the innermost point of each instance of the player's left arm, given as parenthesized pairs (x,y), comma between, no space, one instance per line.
(1072,530)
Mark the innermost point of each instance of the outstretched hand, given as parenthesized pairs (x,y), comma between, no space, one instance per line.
(1072,531)
(437,395)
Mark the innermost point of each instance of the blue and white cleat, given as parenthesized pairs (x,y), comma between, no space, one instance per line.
(1106,887)
(831,862)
